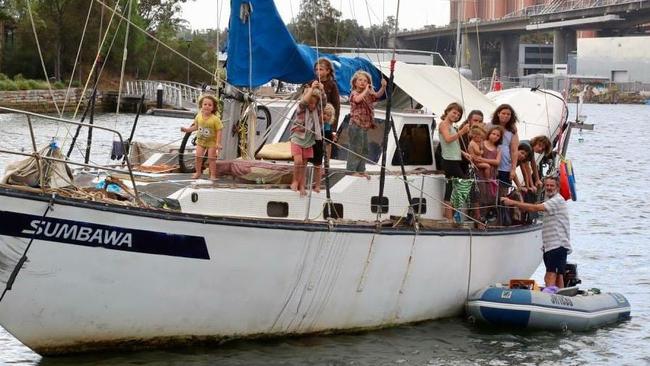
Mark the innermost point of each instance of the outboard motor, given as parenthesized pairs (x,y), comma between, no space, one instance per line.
(571,275)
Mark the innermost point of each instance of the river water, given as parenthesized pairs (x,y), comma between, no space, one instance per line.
(609,229)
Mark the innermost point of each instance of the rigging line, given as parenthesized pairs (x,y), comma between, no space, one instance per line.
(99,49)
(124,57)
(155,39)
(153,61)
(338,27)
(458,53)
(90,74)
(76,60)
(215,77)
(469,267)
(40,55)
(352,9)
(250,52)
(23,258)
(95,85)
(101,25)
(478,42)
(326,159)
(291,9)
(372,32)
(389,125)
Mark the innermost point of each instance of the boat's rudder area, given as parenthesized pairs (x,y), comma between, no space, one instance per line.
(530,309)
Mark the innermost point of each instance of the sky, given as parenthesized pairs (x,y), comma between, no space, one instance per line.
(413,14)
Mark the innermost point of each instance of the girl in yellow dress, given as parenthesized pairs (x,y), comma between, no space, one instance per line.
(209,127)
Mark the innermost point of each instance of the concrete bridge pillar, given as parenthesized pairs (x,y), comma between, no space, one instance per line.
(564,41)
(509,56)
(470,54)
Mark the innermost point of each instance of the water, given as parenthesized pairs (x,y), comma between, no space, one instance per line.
(609,235)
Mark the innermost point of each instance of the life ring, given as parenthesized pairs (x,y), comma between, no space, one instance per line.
(572,180)
(565,190)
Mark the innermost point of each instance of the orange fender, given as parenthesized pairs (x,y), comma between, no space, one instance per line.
(565,190)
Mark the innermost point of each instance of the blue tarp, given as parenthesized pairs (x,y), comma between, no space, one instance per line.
(275,54)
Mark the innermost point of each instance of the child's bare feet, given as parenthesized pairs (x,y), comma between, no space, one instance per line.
(303,193)
(294,186)
(365,175)
(316,188)
(213,177)
(196,175)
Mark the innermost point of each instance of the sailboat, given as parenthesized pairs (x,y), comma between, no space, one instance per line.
(239,260)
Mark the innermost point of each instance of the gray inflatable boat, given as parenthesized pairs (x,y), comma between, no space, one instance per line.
(570,308)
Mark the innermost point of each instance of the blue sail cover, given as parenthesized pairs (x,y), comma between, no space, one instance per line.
(275,54)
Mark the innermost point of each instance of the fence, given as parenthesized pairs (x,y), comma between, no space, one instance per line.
(179,95)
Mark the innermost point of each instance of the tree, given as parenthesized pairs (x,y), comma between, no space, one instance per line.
(316,14)
(157,13)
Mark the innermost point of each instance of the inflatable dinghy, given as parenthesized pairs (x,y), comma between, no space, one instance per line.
(569,308)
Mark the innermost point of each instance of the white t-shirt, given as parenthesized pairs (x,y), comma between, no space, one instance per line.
(555,229)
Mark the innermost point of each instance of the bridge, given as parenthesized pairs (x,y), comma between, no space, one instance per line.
(563,17)
(177,95)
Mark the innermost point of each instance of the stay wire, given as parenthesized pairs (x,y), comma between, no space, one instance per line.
(326,165)
(76,60)
(23,258)
(40,55)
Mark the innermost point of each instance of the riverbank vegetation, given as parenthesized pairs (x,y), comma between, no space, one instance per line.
(68,52)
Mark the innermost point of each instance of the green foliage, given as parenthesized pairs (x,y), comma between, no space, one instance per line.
(316,14)
(19,77)
(335,32)
(23,84)
(161,14)
(8,85)
(3,77)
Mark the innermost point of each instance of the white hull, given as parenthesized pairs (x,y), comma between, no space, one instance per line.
(261,278)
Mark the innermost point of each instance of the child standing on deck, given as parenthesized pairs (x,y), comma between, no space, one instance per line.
(305,130)
(488,185)
(209,127)
(325,75)
(362,118)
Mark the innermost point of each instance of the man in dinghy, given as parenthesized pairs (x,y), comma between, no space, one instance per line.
(555,231)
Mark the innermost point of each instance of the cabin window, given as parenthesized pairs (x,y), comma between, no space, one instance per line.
(377,205)
(415,143)
(277,209)
(336,211)
(375,140)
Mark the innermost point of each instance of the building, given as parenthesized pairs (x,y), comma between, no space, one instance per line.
(535,59)
(620,59)
(491,9)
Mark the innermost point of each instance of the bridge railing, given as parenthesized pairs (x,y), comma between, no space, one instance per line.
(559,6)
(179,95)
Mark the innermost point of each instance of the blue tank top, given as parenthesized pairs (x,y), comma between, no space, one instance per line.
(506,158)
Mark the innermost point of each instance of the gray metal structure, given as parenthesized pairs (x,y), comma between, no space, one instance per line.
(620,59)
(563,18)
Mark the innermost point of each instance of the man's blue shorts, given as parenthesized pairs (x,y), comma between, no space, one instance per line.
(555,260)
